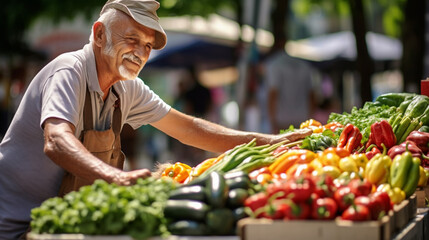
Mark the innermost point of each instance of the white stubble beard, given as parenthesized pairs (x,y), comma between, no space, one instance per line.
(108,50)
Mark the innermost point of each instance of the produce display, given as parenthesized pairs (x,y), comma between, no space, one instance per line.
(356,167)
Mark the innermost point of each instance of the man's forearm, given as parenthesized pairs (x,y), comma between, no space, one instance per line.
(62,147)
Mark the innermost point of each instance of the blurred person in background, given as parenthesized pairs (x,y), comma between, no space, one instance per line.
(289,86)
(66,131)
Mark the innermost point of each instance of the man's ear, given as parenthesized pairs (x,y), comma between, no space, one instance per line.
(99,33)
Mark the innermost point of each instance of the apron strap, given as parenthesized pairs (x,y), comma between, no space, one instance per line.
(87,112)
(117,114)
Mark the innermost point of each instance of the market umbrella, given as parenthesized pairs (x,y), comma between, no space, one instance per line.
(186,50)
(341,46)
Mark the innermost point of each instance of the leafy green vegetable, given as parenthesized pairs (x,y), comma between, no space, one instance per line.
(107,209)
(364,117)
(320,141)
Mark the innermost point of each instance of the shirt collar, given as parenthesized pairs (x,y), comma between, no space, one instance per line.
(93,84)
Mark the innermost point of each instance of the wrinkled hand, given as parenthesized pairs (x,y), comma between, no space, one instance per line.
(130,178)
(295,135)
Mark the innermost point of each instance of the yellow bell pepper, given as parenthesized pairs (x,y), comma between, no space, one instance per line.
(178,171)
(312,124)
(377,169)
(348,164)
(396,194)
(423,177)
(329,158)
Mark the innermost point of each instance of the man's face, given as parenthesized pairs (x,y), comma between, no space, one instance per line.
(128,46)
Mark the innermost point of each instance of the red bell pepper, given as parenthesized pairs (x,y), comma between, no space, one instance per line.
(275,210)
(371,151)
(344,198)
(382,132)
(256,203)
(401,148)
(350,138)
(360,187)
(300,210)
(384,198)
(375,206)
(300,188)
(324,208)
(421,139)
(356,213)
(276,188)
(324,185)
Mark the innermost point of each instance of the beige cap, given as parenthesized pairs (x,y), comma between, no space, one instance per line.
(143,12)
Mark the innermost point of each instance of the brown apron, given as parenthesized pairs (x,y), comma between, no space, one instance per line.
(105,145)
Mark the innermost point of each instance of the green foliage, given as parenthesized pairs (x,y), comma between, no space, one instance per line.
(107,209)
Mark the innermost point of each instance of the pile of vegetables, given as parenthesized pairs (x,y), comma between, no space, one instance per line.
(208,206)
(107,209)
(355,167)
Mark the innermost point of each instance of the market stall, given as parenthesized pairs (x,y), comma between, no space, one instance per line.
(361,175)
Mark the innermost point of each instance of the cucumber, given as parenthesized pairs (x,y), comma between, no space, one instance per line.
(220,221)
(186,210)
(236,198)
(188,228)
(196,193)
(217,190)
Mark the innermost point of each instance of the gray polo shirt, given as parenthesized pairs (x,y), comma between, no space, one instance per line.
(27,175)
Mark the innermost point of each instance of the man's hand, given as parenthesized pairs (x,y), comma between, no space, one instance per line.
(130,178)
(295,135)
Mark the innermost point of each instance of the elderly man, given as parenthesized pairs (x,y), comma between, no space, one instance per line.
(65,133)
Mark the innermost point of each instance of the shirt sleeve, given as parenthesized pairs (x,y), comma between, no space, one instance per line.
(60,97)
(144,106)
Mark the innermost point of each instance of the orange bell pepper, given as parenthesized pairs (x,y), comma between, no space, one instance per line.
(291,157)
(314,125)
(179,172)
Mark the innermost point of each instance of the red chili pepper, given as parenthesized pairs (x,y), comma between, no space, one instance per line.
(360,187)
(344,198)
(324,208)
(299,189)
(350,138)
(421,139)
(356,213)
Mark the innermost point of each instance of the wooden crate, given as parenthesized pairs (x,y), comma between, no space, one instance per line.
(32,236)
(421,195)
(262,229)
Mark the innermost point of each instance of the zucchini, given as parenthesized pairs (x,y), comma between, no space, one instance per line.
(239,213)
(217,190)
(234,174)
(186,210)
(188,228)
(236,197)
(196,193)
(220,221)
(199,181)
(239,182)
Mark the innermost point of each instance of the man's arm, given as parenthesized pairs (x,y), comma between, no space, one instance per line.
(214,137)
(62,147)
